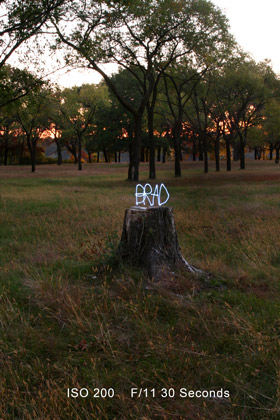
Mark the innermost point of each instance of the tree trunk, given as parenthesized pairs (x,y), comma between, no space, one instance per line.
(271,151)
(217,154)
(105,155)
(59,153)
(152,162)
(89,157)
(228,151)
(116,157)
(129,166)
(142,155)
(98,156)
(158,153)
(242,151)
(133,170)
(32,150)
(236,151)
(194,149)
(205,152)
(21,153)
(177,157)
(74,153)
(146,155)
(79,154)
(177,148)
(152,165)
(277,154)
(164,155)
(33,156)
(6,151)
(119,156)
(73,150)
(149,240)
(200,149)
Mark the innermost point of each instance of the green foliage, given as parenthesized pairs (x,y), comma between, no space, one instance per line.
(271,123)
(32,113)
(77,109)
(243,90)
(255,136)
(15,84)
(186,43)
(21,20)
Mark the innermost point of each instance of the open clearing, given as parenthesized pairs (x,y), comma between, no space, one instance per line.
(70,317)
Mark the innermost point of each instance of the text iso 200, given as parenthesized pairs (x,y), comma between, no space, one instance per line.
(84,392)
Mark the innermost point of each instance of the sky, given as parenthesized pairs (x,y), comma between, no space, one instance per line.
(254,24)
(256,27)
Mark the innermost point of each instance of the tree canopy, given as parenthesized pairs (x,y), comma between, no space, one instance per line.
(180,77)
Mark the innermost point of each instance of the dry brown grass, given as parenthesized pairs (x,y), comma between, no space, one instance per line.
(70,318)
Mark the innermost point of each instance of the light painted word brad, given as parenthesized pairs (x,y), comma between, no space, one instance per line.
(146,192)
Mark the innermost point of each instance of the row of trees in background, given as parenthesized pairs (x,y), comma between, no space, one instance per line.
(182,84)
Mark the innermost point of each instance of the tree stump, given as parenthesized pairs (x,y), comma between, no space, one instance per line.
(149,240)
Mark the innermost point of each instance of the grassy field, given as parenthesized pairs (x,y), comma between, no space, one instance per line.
(70,317)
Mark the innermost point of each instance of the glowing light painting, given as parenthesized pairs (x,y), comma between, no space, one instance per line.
(146,192)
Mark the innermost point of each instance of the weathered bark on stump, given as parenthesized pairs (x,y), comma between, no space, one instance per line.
(149,240)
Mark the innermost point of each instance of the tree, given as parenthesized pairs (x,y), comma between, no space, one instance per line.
(21,20)
(15,84)
(192,81)
(6,132)
(256,141)
(243,89)
(199,116)
(113,126)
(271,125)
(216,132)
(56,123)
(179,84)
(77,109)
(143,37)
(32,117)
